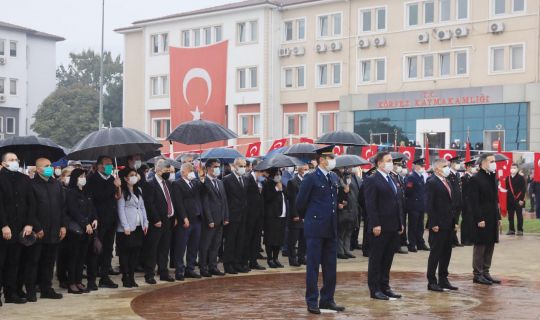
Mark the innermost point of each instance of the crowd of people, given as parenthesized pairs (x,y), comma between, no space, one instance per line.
(177,223)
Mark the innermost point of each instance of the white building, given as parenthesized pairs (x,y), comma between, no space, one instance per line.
(27,76)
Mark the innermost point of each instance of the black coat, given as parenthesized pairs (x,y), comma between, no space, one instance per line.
(466,193)
(274,226)
(155,202)
(291,191)
(50,208)
(354,199)
(80,207)
(187,200)
(382,204)
(516,187)
(103,193)
(17,202)
(346,216)
(484,204)
(439,204)
(236,197)
(455,182)
(255,200)
(215,207)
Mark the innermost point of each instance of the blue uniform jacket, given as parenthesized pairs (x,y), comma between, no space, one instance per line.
(415,193)
(317,199)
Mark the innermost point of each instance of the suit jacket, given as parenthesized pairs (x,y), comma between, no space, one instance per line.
(484,204)
(80,207)
(382,204)
(317,199)
(187,199)
(102,193)
(455,181)
(519,188)
(354,198)
(255,199)
(50,212)
(215,206)
(128,212)
(236,197)
(17,202)
(439,204)
(414,192)
(291,192)
(155,202)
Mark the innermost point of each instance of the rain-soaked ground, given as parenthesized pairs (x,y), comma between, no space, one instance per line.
(280,296)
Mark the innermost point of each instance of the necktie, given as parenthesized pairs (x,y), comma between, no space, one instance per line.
(391,183)
(447,187)
(328,178)
(241,181)
(216,186)
(167,198)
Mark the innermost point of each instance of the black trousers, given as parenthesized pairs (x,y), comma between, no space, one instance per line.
(156,248)
(75,247)
(296,237)
(416,228)
(515,211)
(211,239)
(252,240)
(455,239)
(129,248)
(91,260)
(234,242)
(440,254)
(106,234)
(62,259)
(467,227)
(381,256)
(37,266)
(10,253)
(366,236)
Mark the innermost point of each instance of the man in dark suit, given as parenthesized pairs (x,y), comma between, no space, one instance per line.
(296,221)
(442,223)
(467,214)
(317,200)
(400,183)
(515,199)
(17,206)
(235,187)
(162,217)
(455,180)
(215,216)
(187,234)
(254,218)
(414,193)
(382,198)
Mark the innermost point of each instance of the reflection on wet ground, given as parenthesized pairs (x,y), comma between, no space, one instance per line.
(281,296)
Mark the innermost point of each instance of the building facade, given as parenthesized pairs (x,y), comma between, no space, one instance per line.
(403,71)
(27,76)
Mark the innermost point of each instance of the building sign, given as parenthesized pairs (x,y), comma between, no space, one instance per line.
(434,98)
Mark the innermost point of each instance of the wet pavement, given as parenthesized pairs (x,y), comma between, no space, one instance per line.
(280,296)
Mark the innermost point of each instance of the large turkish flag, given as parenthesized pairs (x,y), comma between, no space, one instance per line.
(409,152)
(253,150)
(368,152)
(198,85)
(447,154)
(537,167)
(280,143)
(503,171)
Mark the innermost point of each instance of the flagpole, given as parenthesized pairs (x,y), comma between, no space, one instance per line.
(100,122)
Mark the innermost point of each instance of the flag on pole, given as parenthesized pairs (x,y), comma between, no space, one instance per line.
(306,140)
(503,171)
(338,150)
(369,151)
(537,167)
(253,150)
(447,154)
(278,144)
(409,152)
(426,154)
(468,149)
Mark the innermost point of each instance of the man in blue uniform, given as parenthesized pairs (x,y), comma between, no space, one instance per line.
(317,202)
(414,192)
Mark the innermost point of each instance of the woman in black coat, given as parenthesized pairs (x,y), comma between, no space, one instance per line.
(275,217)
(82,221)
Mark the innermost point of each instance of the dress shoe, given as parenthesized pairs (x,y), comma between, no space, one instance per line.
(272,264)
(126,281)
(342,256)
(82,288)
(434,287)
(331,306)
(150,280)
(13,298)
(350,256)
(489,278)
(74,291)
(412,249)
(278,264)
(230,269)
(206,274)
(166,278)
(510,233)
(113,272)
(192,274)
(216,272)
(179,277)
(482,280)
(31,296)
(256,266)
(92,286)
(519,233)
(447,285)
(314,310)
(241,269)
(107,283)
(133,283)
(392,294)
(51,294)
(379,296)
(294,263)
(424,247)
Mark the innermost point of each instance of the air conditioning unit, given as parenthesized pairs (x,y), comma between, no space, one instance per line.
(443,35)
(3,60)
(423,37)
(321,47)
(335,46)
(379,42)
(284,52)
(2,98)
(299,51)
(460,32)
(363,43)
(496,27)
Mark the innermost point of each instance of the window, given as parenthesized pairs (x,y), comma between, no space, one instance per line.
(381,19)
(302,124)
(290,125)
(444,10)
(429,12)
(247,78)
(2,47)
(329,74)
(1,124)
(13,87)
(322,75)
(327,122)
(516,57)
(412,14)
(365,71)
(2,86)
(256,124)
(497,59)
(288,78)
(300,77)
(444,64)
(159,86)
(207,36)
(462,9)
(381,70)
(499,7)
(249,124)
(412,67)
(295,124)
(301,25)
(161,128)
(428,66)
(241,32)
(323,26)
(242,78)
(13,48)
(366,20)
(253,77)
(461,62)
(336,67)
(336,21)
(329,25)
(247,31)
(294,77)
(366,67)
(10,125)
(244,125)
(159,43)
(185,38)
(294,30)
(288,31)
(217,34)
(518,5)
(196,37)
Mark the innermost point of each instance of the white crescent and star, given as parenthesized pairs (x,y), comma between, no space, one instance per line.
(253,150)
(197,73)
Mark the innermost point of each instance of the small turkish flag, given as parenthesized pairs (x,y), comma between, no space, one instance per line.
(409,152)
(338,150)
(306,140)
(537,167)
(447,154)
(503,167)
(368,152)
(278,144)
(253,150)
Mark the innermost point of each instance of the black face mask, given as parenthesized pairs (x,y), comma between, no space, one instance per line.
(165,175)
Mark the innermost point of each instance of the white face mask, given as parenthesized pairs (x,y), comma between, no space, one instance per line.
(57,172)
(331,164)
(492,167)
(446,171)
(241,171)
(133,180)
(137,164)
(191,176)
(81,182)
(513,171)
(388,167)
(399,169)
(66,180)
(172,176)
(404,172)
(457,166)
(217,172)
(13,166)
(474,170)
(290,169)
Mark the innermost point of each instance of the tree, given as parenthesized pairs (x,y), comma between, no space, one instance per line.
(68,114)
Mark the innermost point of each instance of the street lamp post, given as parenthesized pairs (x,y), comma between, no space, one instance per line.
(100,122)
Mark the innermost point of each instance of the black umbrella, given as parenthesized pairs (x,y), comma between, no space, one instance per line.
(30,148)
(343,138)
(302,150)
(173,163)
(350,160)
(113,142)
(223,154)
(399,155)
(279,161)
(200,132)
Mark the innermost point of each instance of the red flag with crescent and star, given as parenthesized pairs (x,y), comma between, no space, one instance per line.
(409,152)
(278,144)
(468,149)
(369,151)
(503,171)
(306,140)
(198,86)
(253,150)
(447,154)
(338,150)
(537,167)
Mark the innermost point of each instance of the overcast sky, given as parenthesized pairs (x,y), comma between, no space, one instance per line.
(79,21)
